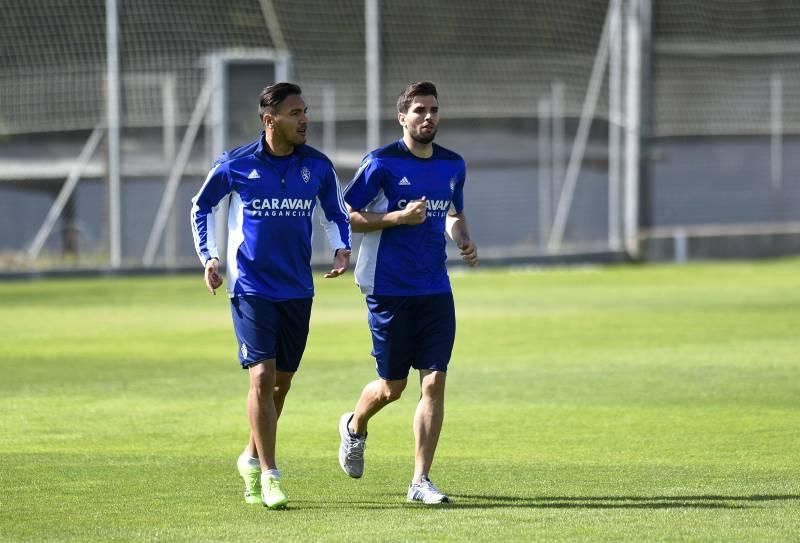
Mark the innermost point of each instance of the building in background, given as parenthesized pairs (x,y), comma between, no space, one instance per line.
(591,129)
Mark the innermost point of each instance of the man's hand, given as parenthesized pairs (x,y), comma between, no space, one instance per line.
(469,251)
(340,263)
(415,212)
(212,276)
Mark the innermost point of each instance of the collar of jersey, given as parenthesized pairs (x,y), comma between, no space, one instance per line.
(405,148)
(263,154)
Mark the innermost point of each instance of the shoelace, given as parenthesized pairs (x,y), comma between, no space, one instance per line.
(274,483)
(426,485)
(355,448)
(255,481)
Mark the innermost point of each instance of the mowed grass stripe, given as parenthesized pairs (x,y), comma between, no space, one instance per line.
(598,404)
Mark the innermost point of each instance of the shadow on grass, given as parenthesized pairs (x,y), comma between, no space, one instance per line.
(475,501)
(705,501)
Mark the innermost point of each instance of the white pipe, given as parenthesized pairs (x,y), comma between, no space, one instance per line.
(329,120)
(169,101)
(373,42)
(614,130)
(113,116)
(217,106)
(273,24)
(171,187)
(632,127)
(582,135)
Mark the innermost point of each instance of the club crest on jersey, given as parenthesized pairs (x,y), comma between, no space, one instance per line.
(452,185)
(306,174)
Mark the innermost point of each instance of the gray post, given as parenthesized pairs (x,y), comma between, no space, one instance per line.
(169,100)
(776,130)
(113,116)
(373,43)
(557,126)
(329,120)
(545,183)
(633,119)
(681,242)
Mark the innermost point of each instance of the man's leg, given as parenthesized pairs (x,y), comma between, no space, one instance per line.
(353,426)
(428,421)
(427,427)
(391,325)
(375,396)
(263,415)
(261,412)
(283,382)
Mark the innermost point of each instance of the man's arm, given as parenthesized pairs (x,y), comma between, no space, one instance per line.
(334,218)
(457,229)
(341,261)
(211,275)
(368,221)
(205,205)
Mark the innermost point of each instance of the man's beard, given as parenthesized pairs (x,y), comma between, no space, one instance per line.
(425,140)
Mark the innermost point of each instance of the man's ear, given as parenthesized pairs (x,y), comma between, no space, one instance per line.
(267,119)
(401,118)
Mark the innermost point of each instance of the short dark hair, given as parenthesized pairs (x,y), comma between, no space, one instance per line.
(272,96)
(418,88)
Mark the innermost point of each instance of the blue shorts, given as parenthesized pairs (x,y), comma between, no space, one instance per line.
(267,329)
(411,332)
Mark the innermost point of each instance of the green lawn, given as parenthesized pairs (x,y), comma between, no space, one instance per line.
(596,404)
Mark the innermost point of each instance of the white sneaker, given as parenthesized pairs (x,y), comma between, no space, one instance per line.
(426,492)
(351,450)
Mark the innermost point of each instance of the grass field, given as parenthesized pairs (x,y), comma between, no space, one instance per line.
(596,404)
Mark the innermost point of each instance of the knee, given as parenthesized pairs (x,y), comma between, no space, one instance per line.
(433,386)
(282,389)
(262,378)
(392,390)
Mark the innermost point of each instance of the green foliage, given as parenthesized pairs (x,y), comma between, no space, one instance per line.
(623,403)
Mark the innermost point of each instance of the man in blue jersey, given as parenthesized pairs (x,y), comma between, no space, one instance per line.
(272,186)
(404,198)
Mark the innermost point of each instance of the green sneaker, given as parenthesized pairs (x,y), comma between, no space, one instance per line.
(252,482)
(271,494)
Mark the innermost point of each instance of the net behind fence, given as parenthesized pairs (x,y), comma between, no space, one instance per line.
(716,64)
(493,59)
(513,75)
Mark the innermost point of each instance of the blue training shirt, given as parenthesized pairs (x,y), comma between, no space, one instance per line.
(271,202)
(406,260)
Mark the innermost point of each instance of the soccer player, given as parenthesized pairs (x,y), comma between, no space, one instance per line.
(404,197)
(273,185)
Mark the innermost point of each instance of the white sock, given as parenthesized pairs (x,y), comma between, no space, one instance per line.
(271,473)
(250,461)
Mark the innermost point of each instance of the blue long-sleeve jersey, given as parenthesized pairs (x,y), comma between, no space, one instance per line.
(406,260)
(271,201)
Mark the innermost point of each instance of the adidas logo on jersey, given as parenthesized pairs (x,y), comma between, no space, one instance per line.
(254,175)
(404,181)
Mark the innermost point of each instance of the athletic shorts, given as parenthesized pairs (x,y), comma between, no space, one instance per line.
(267,329)
(411,332)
